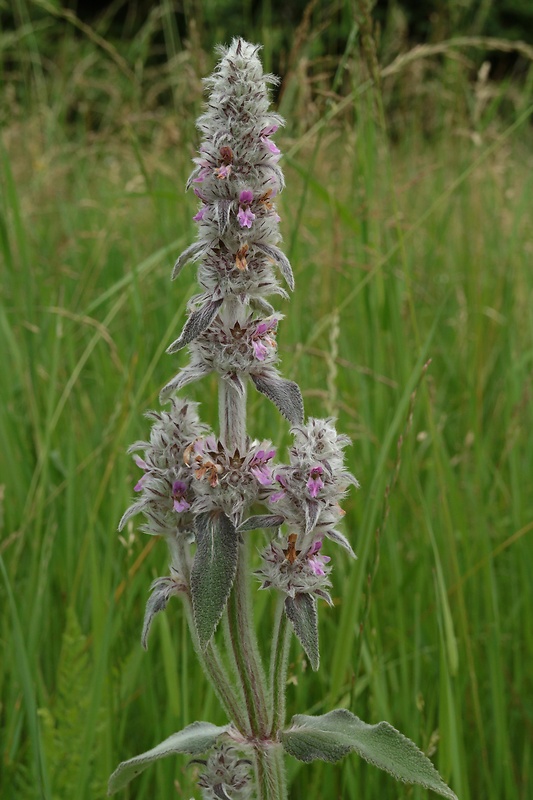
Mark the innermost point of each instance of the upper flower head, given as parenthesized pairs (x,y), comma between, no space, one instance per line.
(236,174)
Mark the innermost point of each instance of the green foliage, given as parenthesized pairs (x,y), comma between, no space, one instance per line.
(336,734)
(405,249)
(196,738)
(63,721)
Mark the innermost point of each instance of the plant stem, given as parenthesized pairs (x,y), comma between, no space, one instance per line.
(232,404)
(214,668)
(245,650)
(270,773)
(278,668)
(268,757)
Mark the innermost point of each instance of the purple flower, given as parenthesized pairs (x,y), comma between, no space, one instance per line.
(259,466)
(269,130)
(201,176)
(200,215)
(246,197)
(315,547)
(279,494)
(260,351)
(142,480)
(224,171)
(261,342)
(317,564)
(315,482)
(178,492)
(270,145)
(245,217)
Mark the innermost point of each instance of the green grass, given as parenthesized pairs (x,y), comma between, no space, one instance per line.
(403,253)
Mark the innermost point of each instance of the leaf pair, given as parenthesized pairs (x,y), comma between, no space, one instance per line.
(329,737)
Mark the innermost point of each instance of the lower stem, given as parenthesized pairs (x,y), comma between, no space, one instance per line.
(210,659)
(270,773)
(245,650)
(278,668)
(215,671)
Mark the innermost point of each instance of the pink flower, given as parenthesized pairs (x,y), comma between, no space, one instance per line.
(269,130)
(200,215)
(260,351)
(201,175)
(259,466)
(245,217)
(317,564)
(178,492)
(224,171)
(315,482)
(246,197)
(142,480)
(269,144)
(280,494)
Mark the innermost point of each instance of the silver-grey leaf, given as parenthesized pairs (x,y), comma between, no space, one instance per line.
(261,521)
(340,538)
(281,260)
(312,513)
(194,739)
(213,570)
(301,611)
(332,736)
(284,394)
(193,252)
(196,324)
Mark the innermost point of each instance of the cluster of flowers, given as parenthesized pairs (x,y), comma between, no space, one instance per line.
(188,471)
(225,771)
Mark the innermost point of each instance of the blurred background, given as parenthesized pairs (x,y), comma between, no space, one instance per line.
(407,219)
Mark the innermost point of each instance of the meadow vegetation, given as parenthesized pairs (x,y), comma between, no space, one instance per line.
(407,219)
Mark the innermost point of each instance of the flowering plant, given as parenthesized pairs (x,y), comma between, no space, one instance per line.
(198,488)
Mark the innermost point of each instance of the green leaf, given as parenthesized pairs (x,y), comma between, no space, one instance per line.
(194,739)
(301,610)
(261,521)
(286,395)
(332,736)
(213,570)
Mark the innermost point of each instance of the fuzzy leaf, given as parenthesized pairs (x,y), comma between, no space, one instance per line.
(162,590)
(222,214)
(281,260)
(213,570)
(186,375)
(195,325)
(235,380)
(284,394)
(312,513)
(332,736)
(261,521)
(193,252)
(136,508)
(340,538)
(301,610)
(195,739)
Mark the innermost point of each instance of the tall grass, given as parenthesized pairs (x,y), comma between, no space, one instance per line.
(411,323)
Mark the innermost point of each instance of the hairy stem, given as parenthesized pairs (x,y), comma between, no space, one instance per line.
(245,650)
(232,404)
(213,666)
(270,773)
(278,668)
